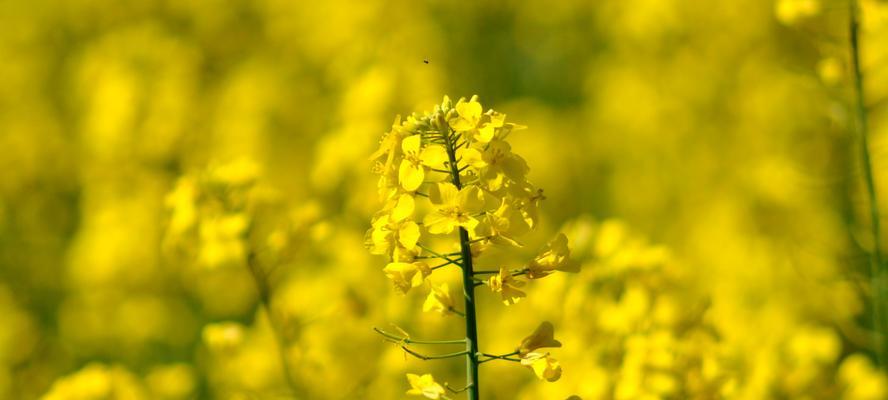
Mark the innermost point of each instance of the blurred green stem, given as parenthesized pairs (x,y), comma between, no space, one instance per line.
(264,290)
(861,125)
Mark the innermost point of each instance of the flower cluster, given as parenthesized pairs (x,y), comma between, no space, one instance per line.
(457,158)
(452,171)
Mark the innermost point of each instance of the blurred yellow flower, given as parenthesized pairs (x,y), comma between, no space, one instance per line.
(222,336)
(425,386)
(554,257)
(830,70)
(222,239)
(241,172)
(507,286)
(406,276)
(542,337)
(171,382)
(542,365)
(791,11)
(861,379)
(439,299)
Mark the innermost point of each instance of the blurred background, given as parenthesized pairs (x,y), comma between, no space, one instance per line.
(699,158)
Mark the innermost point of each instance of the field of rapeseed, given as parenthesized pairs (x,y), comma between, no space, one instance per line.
(273,199)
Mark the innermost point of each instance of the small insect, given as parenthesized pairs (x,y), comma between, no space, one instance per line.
(425,60)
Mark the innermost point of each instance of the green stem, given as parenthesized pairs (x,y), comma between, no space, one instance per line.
(876,260)
(468,285)
(264,289)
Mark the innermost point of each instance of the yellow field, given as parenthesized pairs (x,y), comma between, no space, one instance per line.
(190,200)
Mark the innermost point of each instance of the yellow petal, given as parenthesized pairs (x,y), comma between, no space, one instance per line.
(471,200)
(408,235)
(434,156)
(437,223)
(403,208)
(543,336)
(485,133)
(410,175)
(411,144)
(469,110)
(443,194)
(471,156)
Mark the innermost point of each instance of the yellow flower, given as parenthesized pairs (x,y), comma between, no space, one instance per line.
(490,122)
(182,204)
(861,379)
(439,299)
(222,239)
(470,121)
(406,276)
(411,173)
(468,115)
(425,386)
(394,238)
(241,172)
(390,142)
(543,336)
(543,366)
(554,257)
(495,163)
(390,147)
(454,208)
(392,233)
(403,207)
(507,286)
(222,336)
(503,225)
(791,11)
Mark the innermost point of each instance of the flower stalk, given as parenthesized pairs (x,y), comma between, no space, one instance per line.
(877,265)
(469,316)
(457,160)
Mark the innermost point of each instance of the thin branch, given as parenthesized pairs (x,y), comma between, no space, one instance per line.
(455,391)
(406,340)
(437,357)
(457,312)
(439,255)
(444,265)
(514,272)
(506,357)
